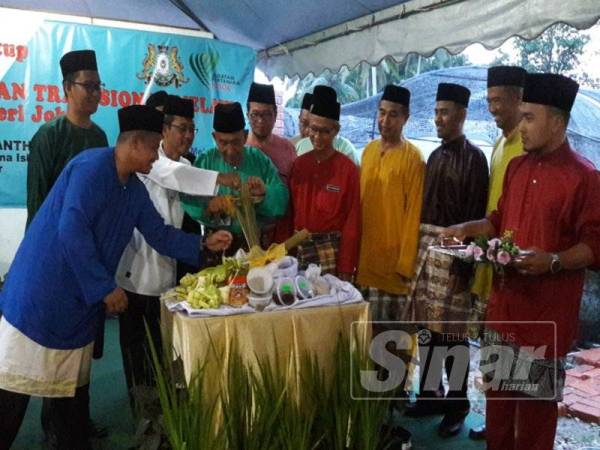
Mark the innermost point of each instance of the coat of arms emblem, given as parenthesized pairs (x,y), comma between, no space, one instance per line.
(162,64)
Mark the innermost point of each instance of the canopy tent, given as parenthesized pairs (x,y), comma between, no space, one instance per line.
(297,38)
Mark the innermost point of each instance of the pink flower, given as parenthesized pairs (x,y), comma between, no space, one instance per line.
(494,243)
(477,253)
(503,257)
(490,254)
(469,250)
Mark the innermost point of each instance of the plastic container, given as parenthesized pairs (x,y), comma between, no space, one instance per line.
(285,293)
(259,302)
(304,288)
(260,281)
(321,286)
(287,267)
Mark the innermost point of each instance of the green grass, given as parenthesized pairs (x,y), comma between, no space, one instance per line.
(323,421)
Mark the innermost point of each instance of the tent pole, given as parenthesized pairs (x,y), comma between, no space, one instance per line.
(373,80)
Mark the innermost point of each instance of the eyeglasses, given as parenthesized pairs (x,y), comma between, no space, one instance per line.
(90,87)
(183,129)
(265,115)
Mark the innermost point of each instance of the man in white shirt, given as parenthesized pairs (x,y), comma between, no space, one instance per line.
(143,273)
(303,118)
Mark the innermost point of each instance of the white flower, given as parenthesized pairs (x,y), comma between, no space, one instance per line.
(478,253)
(494,243)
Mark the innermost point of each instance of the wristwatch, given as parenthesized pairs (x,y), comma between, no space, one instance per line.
(555,264)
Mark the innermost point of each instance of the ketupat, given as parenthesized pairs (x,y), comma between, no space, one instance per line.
(207,288)
(214,275)
(188,279)
(208,296)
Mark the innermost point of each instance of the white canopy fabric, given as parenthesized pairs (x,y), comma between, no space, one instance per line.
(422,26)
(303,36)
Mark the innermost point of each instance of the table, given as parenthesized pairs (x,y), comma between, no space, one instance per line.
(287,334)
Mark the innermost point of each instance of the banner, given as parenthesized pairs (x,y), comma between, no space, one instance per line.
(132,65)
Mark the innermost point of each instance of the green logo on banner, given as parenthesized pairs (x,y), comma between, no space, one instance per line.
(204,65)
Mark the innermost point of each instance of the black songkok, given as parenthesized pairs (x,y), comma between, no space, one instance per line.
(140,117)
(228,118)
(506,76)
(262,93)
(396,94)
(307,101)
(550,89)
(157,99)
(325,107)
(324,92)
(453,93)
(177,106)
(78,60)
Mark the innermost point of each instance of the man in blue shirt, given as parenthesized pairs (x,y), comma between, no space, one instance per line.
(61,282)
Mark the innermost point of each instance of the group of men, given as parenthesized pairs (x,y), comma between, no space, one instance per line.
(81,219)
(102,232)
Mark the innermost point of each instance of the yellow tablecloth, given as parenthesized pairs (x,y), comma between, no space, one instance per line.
(199,341)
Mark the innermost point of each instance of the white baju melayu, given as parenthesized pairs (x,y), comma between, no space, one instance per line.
(29,368)
(142,269)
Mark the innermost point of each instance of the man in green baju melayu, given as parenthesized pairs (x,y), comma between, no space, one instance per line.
(231,155)
(58,141)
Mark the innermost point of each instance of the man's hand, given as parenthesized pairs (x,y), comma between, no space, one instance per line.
(537,262)
(455,231)
(257,187)
(231,180)
(116,302)
(217,205)
(218,241)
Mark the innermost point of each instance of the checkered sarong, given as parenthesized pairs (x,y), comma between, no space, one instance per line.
(321,249)
(440,288)
(387,306)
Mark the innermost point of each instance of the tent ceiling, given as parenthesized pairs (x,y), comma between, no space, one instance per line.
(156,12)
(423,26)
(299,37)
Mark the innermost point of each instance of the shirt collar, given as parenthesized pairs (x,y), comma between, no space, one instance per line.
(161,150)
(555,156)
(454,143)
(513,136)
(254,141)
(162,154)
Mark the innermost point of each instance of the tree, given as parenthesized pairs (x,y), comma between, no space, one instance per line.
(557,50)
(346,91)
(502,59)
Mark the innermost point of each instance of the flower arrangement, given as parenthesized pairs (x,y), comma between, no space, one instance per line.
(499,252)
